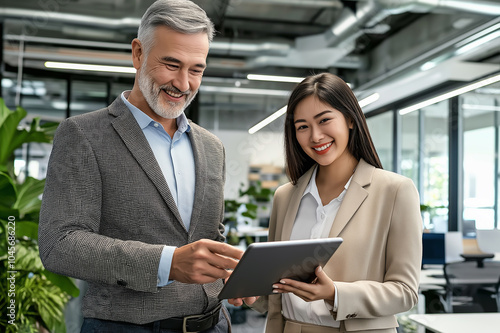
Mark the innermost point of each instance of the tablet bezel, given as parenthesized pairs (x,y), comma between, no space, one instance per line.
(294,259)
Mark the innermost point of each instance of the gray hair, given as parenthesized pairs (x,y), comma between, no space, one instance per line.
(183,16)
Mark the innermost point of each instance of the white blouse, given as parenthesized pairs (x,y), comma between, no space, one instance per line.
(313,220)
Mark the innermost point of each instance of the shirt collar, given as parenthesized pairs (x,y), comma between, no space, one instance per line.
(311,186)
(313,189)
(144,120)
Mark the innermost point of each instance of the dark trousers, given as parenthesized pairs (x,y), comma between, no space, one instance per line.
(92,325)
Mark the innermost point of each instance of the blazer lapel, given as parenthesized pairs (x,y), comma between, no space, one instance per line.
(355,195)
(201,176)
(127,128)
(294,203)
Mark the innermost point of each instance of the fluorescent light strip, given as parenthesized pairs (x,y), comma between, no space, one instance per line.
(88,67)
(369,100)
(268,120)
(364,102)
(478,42)
(450,94)
(481,107)
(244,91)
(478,35)
(274,78)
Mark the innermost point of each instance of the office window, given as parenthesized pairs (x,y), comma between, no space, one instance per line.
(40,97)
(87,96)
(434,171)
(410,157)
(381,130)
(9,90)
(238,112)
(118,87)
(480,130)
(424,158)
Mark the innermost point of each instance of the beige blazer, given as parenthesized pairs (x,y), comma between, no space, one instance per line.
(376,269)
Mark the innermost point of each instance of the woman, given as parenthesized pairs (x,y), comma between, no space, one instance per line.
(338,189)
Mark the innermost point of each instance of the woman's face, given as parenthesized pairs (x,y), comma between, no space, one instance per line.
(322,131)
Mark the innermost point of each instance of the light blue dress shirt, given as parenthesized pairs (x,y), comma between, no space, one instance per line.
(176,160)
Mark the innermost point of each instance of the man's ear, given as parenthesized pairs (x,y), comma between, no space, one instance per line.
(137,53)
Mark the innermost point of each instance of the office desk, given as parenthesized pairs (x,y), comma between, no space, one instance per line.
(459,322)
(432,278)
(258,232)
(433,285)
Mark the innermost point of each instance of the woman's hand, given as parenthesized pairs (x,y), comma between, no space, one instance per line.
(321,288)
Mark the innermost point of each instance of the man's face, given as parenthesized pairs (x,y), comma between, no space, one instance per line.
(171,74)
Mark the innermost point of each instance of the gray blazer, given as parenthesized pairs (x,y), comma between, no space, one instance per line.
(107,212)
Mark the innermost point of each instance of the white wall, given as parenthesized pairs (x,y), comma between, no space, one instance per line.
(243,150)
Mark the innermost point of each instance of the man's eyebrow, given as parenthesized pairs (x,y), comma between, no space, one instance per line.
(177,61)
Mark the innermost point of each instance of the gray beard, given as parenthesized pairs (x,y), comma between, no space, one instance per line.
(151,94)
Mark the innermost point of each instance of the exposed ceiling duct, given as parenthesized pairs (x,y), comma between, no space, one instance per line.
(55,16)
(222,46)
(332,48)
(340,37)
(323,50)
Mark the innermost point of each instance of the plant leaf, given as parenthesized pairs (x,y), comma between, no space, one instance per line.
(8,192)
(5,212)
(36,133)
(27,197)
(8,130)
(28,258)
(27,229)
(12,138)
(65,283)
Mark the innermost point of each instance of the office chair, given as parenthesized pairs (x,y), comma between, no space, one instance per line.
(469,228)
(497,294)
(488,240)
(464,279)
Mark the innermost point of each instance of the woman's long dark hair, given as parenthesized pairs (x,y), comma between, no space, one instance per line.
(331,90)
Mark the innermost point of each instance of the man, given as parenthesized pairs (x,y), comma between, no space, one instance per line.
(134,201)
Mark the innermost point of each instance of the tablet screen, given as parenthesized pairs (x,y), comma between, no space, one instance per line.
(264,264)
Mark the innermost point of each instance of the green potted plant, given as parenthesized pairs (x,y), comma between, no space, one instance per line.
(255,195)
(231,213)
(33,299)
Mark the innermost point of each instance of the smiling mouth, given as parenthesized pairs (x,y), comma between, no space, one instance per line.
(173,94)
(323,147)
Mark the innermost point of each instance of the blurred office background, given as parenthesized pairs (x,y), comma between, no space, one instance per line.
(394,54)
(427,74)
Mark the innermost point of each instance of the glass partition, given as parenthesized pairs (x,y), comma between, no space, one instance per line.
(410,156)
(381,130)
(425,159)
(87,96)
(434,171)
(479,112)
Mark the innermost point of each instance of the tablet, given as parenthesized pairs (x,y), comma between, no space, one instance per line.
(264,264)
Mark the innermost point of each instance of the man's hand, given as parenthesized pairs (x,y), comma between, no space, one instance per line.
(203,261)
(239,301)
